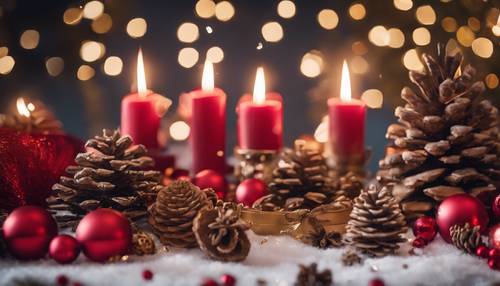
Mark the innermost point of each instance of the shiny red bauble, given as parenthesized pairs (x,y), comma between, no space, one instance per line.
(483,251)
(425,227)
(249,191)
(376,282)
(64,249)
(211,179)
(458,210)
(104,233)
(494,235)
(493,263)
(419,242)
(28,231)
(495,208)
(227,280)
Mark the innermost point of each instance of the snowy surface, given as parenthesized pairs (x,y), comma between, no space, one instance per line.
(273,259)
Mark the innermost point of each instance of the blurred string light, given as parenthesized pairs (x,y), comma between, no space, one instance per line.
(72,16)
(179,130)
(312,64)
(137,27)
(113,66)
(358,65)
(102,24)
(496,28)
(449,24)
(6,64)
(359,48)
(4,51)
(373,98)
(215,54)
(286,9)
(357,11)
(91,51)
(93,9)
(259,46)
(85,72)
(54,66)
(209,29)
(379,36)
(482,47)
(188,57)
(491,81)
(272,32)
(465,36)
(29,39)
(224,11)
(188,32)
(328,19)
(474,24)
(403,5)
(421,36)
(426,15)
(412,61)
(205,9)
(396,38)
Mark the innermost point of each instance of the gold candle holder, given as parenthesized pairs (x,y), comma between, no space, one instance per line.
(355,164)
(257,164)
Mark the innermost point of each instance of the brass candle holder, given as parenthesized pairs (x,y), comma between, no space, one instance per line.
(257,164)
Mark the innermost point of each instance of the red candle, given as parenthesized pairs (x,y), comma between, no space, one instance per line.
(208,125)
(260,121)
(142,111)
(346,122)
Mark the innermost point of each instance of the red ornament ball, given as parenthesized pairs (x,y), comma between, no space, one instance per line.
(227,280)
(494,235)
(425,227)
(209,282)
(495,207)
(64,249)
(250,190)
(376,282)
(493,263)
(104,233)
(419,242)
(458,210)
(147,275)
(28,231)
(62,280)
(211,179)
(483,251)
(494,254)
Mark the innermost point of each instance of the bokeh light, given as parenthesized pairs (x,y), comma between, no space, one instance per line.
(426,15)
(491,81)
(312,64)
(272,32)
(474,24)
(72,16)
(449,24)
(286,9)
(321,132)
(29,39)
(188,32)
(357,11)
(137,27)
(205,8)
(188,57)
(412,61)
(93,9)
(421,36)
(379,36)
(6,64)
(396,38)
(465,36)
(482,47)
(328,19)
(85,72)
(102,24)
(359,48)
(179,130)
(373,98)
(54,66)
(215,54)
(113,66)
(358,65)
(224,11)
(403,5)
(91,51)
(4,51)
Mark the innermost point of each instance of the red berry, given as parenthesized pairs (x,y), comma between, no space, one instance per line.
(482,251)
(494,254)
(147,275)
(209,282)
(376,282)
(419,242)
(62,280)
(493,264)
(227,280)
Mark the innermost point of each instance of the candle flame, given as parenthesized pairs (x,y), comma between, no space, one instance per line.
(345,83)
(22,108)
(207,79)
(142,87)
(259,88)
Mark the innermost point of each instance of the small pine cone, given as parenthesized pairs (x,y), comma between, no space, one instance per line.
(466,238)
(309,276)
(320,238)
(350,257)
(349,185)
(220,232)
(143,244)
(172,215)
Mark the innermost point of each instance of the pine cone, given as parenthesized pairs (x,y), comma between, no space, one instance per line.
(447,137)
(143,244)
(349,185)
(377,224)
(109,175)
(220,232)
(349,258)
(309,276)
(318,237)
(39,120)
(466,238)
(172,215)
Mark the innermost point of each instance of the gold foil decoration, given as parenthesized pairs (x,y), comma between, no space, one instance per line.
(257,164)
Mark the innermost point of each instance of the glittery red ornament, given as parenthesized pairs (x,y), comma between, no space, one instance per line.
(147,275)
(495,208)
(209,282)
(494,235)
(64,249)
(211,179)
(104,233)
(482,251)
(31,164)
(425,227)
(419,242)
(28,231)
(250,190)
(376,282)
(227,280)
(459,210)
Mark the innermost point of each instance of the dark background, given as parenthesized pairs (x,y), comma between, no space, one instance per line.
(85,107)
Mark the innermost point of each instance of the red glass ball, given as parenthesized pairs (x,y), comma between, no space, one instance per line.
(376,282)
(493,263)
(64,249)
(419,242)
(494,254)
(495,207)
(425,227)
(227,280)
(147,275)
(209,282)
(211,179)
(483,251)
(494,235)
(458,210)
(28,231)
(104,233)
(62,280)
(249,191)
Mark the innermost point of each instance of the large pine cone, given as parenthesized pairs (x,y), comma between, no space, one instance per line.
(109,175)
(220,232)
(376,224)
(447,137)
(172,215)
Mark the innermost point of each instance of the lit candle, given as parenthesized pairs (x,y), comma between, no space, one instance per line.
(208,124)
(346,122)
(142,111)
(260,119)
